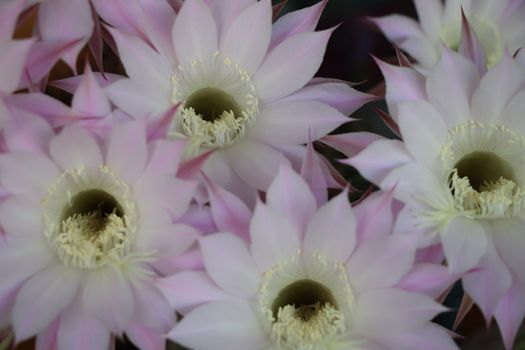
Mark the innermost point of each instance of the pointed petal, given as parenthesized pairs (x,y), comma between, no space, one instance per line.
(289,194)
(331,230)
(375,216)
(152,310)
(470,46)
(428,279)
(194,32)
(464,242)
(351,143)
(274,237)
(230,265)
(12,60)
(234,325)
(450,86)
(291,65)
(21,216)
(509,314)
(295,22)
(49,291)
(145,338)
(313,173)
(90,98)
(253,25)
(290,122)
(509,241)
(229,212)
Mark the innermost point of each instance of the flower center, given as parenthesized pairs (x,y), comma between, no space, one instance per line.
(487,33)
(87,226)
(487,164)
(306,305)
(218,102)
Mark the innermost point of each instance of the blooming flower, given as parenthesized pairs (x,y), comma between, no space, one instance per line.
(497,24)
(238,84)
(309,279)
(460,171)
(86,229)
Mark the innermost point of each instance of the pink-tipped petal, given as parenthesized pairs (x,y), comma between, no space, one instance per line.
(291,65)
(289,194)
(90,98)
(295,22)
(376,217)
(194,32)
(428,279)
(253,25)
(509,314)
(312,171)
(229,264)
(351,143)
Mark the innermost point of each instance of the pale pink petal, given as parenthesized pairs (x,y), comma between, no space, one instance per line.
(290,195)
(378,159)
(375,216)
(253,25)
(165,156)
(291,121)
(74,148)
(509,241)
(509,314)
(351,143)
(331,230)
(71,84)
(341,96)
(428,279)
(274,237)
(12,61)
(187,289)
(145,338)
(9,13)
(233,325)
(33,252)
(229,212)
(90,98)
(194,32)
(402,84)
(138,100)
(230,265)
(109,298)
(50,291)
(142,63)
(127,139)
(511,113)
(451,96)
(254,162)
(428,337)
(295,22)
(313,172)
(291,65)
(381,262)
(79,330)
(47,339)
(226,11)
(488,284)
(470,45)
(423,130)
(27,132)
(397,28)
(464,242)
(21,216)
(19,175)
(42,105)
(391,311)
(200,217)
(151,308)
(168,241)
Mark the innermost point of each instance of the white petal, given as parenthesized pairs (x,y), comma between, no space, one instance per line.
(151,308)
(274,237)
(423,131)
(510,242)
(229,264)
(331,231)
(233,325)
(450,86)
(291,65)
(194,32)
(75,148)
(246,39)
(291,121)
(464,242)
(290,195)
(49,291)
(21,215)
